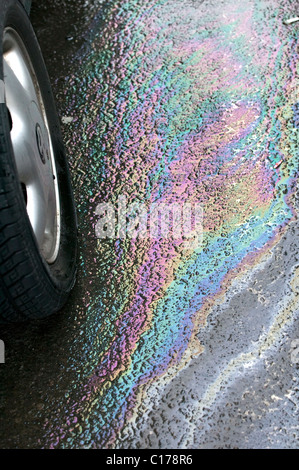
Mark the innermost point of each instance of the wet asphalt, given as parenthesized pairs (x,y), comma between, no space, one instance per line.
(159,346)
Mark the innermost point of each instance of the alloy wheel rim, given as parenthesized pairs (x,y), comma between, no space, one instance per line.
(32,145)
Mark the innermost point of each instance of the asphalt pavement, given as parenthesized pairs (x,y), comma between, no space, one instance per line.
(166,343)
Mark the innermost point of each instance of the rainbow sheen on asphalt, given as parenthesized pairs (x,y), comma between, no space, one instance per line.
(172,104)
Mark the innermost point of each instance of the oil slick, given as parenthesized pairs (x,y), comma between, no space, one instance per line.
(172,113)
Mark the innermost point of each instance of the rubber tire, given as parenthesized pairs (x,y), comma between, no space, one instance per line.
(30,288)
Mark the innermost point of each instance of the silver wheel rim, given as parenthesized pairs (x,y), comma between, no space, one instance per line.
(32,145)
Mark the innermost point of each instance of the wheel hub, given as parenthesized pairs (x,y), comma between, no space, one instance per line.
(32,145)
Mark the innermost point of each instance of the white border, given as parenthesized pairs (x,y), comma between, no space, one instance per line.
(2,92)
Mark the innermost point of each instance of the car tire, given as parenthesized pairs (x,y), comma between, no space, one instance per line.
(38,228)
